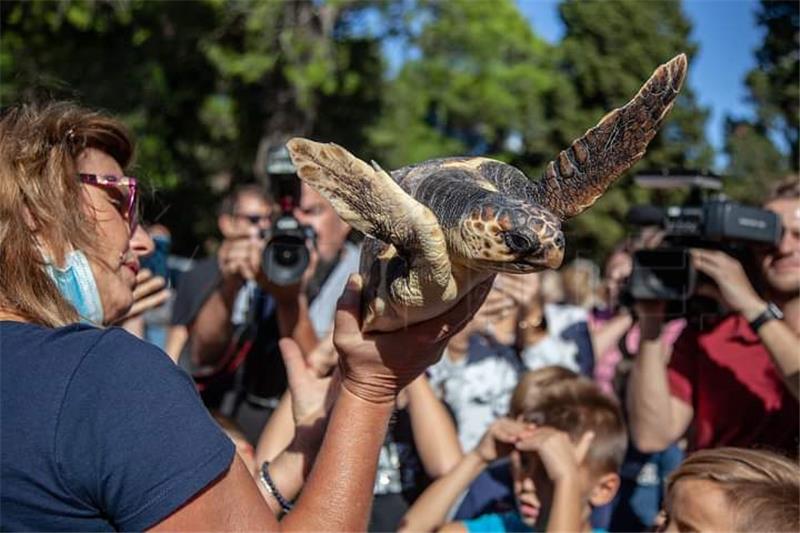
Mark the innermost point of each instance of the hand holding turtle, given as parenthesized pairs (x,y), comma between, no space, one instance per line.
(376,366)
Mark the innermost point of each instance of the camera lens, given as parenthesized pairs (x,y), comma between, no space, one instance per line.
(287,254)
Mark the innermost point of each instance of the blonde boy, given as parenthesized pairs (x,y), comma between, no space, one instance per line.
(566,443)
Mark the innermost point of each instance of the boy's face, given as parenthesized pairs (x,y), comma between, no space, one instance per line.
(533,488)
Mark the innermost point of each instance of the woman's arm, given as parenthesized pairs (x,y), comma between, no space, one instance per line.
(338,494)
(434,431)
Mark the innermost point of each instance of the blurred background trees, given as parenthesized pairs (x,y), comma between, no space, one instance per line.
(209,85)
(755,161)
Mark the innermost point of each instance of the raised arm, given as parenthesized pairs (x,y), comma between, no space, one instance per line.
(736,292)
(429,512)
(338,491)
(433,428)
(657,419)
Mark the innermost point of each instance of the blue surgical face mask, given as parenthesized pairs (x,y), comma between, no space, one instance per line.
(76,284)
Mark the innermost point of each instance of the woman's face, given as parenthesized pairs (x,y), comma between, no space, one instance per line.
(118,251)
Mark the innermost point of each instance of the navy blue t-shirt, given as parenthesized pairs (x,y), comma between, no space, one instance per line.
(98,431)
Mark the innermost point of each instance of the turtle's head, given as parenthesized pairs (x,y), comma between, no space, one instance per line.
(509,235)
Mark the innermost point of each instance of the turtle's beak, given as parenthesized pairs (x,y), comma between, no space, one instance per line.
(550,254)
(554,255)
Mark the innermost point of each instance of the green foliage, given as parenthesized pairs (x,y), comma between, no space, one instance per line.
(208,86)
(610,48)
(755,164)
(774,84)
(478,75)
(204,85)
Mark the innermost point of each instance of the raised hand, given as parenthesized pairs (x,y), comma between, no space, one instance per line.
(733,288)
(500,438)
(312,395)
(151,291)
(560,457)
(376,366)
(239,256)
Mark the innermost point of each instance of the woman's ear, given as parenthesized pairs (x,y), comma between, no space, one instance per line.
(604,490)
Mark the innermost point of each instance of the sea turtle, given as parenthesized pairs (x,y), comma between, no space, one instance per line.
(438,228)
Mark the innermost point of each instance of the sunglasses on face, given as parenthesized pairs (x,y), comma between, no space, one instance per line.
(123,191)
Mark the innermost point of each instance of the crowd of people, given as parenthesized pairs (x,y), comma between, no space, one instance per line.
(222,400)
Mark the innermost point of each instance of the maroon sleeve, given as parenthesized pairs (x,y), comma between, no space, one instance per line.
(682,369)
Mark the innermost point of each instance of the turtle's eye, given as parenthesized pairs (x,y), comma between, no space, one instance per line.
(520,244)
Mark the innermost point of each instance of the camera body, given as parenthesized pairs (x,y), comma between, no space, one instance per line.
(666,272)
(286,256)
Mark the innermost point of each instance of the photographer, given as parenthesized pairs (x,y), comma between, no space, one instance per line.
(235,314)
(737,380)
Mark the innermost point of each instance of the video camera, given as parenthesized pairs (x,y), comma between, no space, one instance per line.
(286,255)
(706,220)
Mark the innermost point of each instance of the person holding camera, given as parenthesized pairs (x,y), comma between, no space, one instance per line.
(233,324)
(735,381)
(237,305)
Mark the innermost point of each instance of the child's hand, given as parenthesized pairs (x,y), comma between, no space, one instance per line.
(560,457)
(500,438)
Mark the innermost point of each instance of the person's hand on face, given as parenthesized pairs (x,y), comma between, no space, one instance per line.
(618,269)
(500,438)
(151,292)
(732,289)
(521,289)
(239,256)
(376,366)
(559,456)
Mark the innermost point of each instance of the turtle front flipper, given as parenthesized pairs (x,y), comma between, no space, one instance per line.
(368,199)
(582,173)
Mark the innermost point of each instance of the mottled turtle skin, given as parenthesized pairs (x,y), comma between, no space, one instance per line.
(437,229)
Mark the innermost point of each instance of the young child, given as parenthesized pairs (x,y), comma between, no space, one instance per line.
(565,445)
(733,489)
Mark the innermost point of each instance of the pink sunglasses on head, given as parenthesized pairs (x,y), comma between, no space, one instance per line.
(126,186)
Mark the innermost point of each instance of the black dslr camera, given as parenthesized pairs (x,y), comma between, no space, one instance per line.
(286,255)
(704,221)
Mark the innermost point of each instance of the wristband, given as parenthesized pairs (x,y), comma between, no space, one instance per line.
(770,313)
(269,485)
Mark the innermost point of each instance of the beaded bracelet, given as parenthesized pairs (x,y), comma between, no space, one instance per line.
(269,485)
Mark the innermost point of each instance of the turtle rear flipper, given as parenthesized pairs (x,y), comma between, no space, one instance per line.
(368,199)
(582,173)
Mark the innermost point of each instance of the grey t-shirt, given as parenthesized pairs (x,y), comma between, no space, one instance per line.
(323,308)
